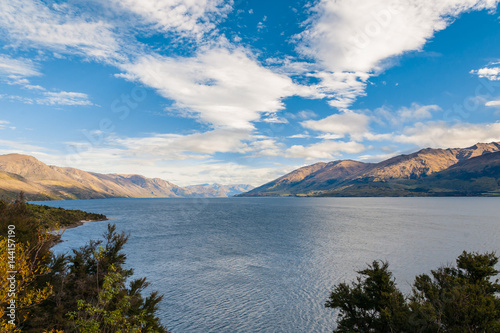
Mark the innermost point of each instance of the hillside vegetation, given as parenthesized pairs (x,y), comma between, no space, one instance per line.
(85,292)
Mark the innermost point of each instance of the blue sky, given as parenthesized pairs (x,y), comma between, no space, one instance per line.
(213,91)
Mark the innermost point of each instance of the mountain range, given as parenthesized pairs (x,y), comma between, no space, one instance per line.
(472,171)
(40,181)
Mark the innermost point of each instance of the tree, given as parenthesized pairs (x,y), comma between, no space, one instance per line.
(82,292)
(455,299)
(23,264)
(459,299)
(90,292)
(371,304)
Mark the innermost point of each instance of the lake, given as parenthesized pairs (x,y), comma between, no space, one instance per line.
(268,264)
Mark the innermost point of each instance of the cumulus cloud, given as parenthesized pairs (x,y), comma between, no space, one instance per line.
(444,135)
(340,88)
(223,88)
(493,103)
(351,40)
(324,150)
(491,73)
(358,35)
(340,125)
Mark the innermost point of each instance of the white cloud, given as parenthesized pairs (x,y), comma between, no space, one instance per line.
(22,99)
(378,158)
(300,136)
(324,150)
(52,98)
(222,87)
(4,124)
(191,146)
(17,67)
(339,125)
(444,135)
(493,103)
(164,155)
(64,98)
(306,114)
(351,40)
(358,35)
(415,112)
(9,146)
(177,172)
(33,23)
(266,147)
(491,73)
(225,173)
(341,88)
(187,17)
(273,118)
(329,136)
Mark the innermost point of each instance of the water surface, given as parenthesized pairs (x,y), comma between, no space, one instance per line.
(268,264)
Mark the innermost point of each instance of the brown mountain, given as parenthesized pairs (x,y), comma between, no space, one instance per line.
(411,174)
(41,182)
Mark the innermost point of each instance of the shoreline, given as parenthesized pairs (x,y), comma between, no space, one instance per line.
(80,223)
(72,226)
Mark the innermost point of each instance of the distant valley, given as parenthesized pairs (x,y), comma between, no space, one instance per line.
(472,171)
(40,181)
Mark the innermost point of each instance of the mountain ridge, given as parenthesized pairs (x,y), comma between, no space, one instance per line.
(40,181)
(402,175)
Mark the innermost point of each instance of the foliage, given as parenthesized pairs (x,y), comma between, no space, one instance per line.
(82,292)
(455,299)
(26,216)
(28,251)
(52,216)
(371,304)
(28,266)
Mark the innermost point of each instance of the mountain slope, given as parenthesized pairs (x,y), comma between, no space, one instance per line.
(403,175)
(40,182)
(311,178)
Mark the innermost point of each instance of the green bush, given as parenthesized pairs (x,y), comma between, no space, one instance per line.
(83,292)
(452,299)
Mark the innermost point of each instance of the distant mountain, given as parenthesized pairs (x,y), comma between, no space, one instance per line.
(47,182)
(455,171)
(218,190)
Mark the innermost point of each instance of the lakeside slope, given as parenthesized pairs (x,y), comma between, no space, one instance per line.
(472,171)
(40,181)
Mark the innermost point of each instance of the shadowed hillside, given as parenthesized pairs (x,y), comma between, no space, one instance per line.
(455,171)
(47,182)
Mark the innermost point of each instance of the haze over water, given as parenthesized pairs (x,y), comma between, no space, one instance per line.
(268,264)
